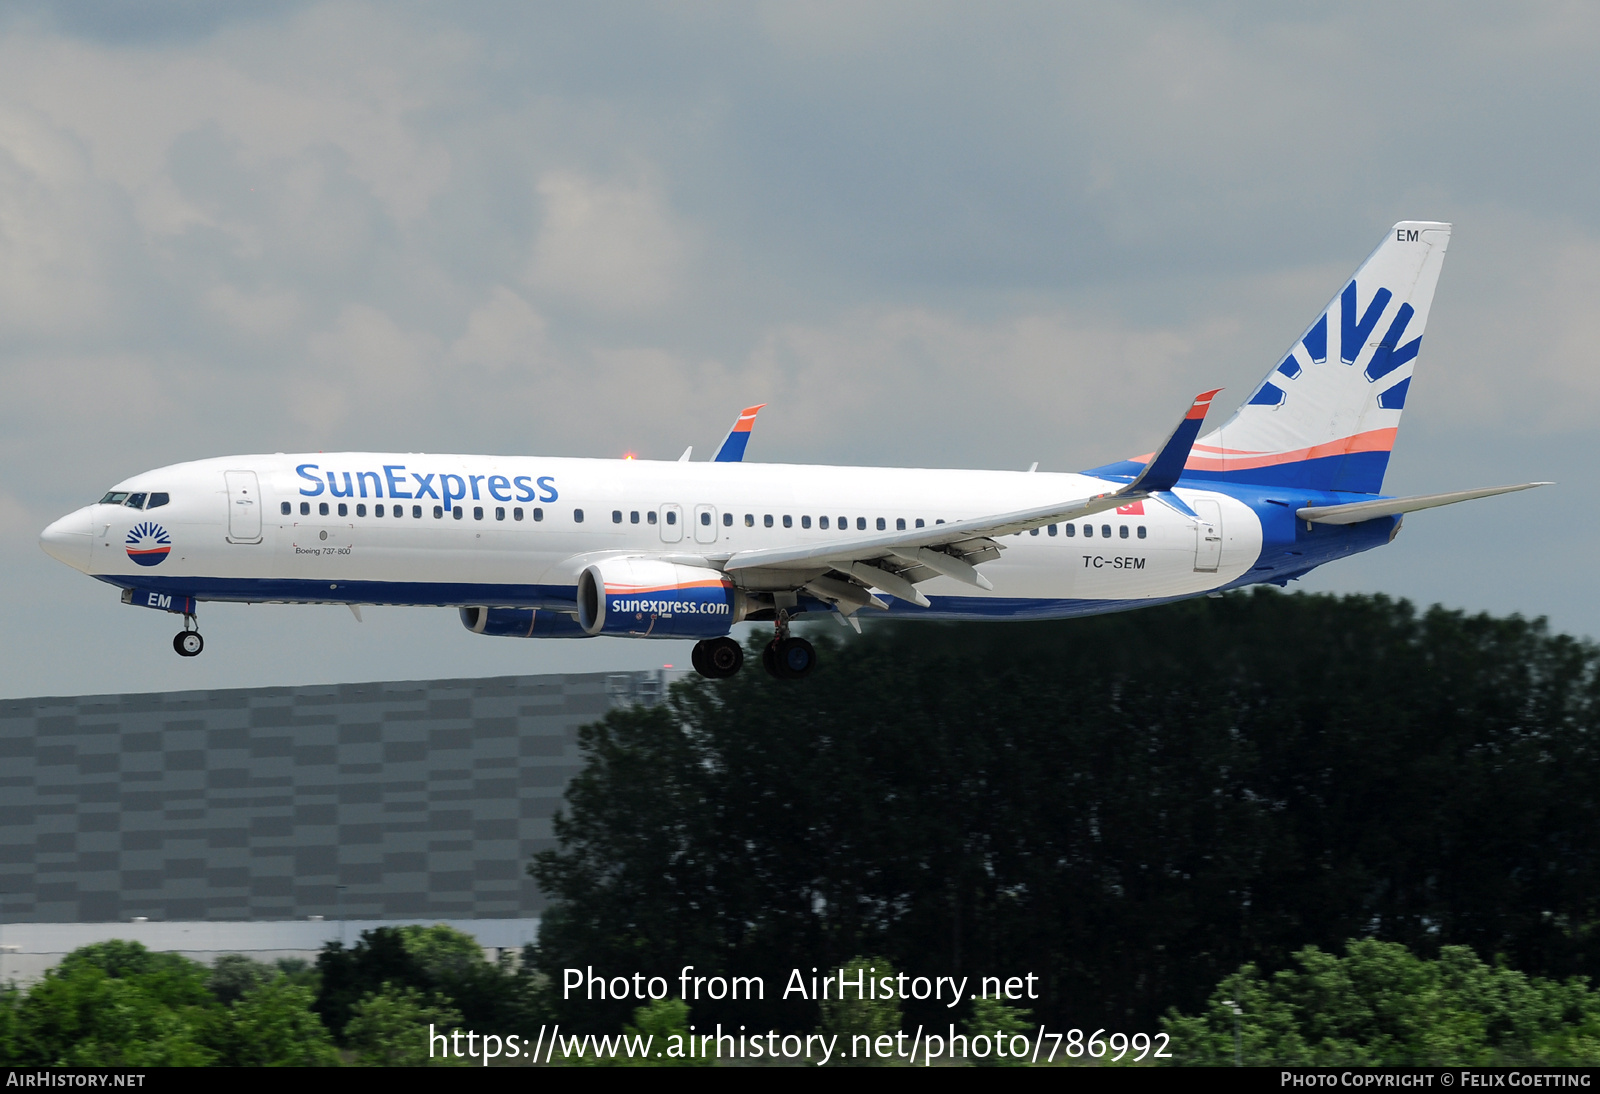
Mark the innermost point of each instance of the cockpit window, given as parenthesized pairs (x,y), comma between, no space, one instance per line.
(157,500)
(114,497)
(135,501)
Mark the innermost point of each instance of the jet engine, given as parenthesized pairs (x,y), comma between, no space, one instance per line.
(651,598)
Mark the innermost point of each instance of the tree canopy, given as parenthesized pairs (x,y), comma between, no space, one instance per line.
(1131,806)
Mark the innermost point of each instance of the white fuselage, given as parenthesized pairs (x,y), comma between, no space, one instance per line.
(444,529)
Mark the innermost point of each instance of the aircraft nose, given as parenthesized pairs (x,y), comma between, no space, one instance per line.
(68,540)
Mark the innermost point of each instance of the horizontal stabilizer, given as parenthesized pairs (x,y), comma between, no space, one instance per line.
(1357,512)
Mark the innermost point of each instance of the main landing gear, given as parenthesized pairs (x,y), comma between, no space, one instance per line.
(787,657)
(717,658)
(188,642)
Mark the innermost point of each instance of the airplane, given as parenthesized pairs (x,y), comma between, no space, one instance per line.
(550,547)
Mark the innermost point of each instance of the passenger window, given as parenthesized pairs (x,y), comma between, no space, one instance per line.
(305,509)
(416,512)
(499,512)
(844,523)
(705,519)
(135,501)
(1123,531)
(881,524)
(377,510)
(1141,531)
(322,508)
(822,522)
(649,518)
(577,516)
(900,524)
(633,516)
(861,524)
(477,512)
(672,516)
(361,510)
(727,520)
(1033,531)
(919,522)
(516,514)
(438,512)
(1070,529)
(1088,531)
(1105,531)
(284,509)
(538,513)
(344,510)
(157,500)
(1052,529)
(805,522)
(788,521)
(749,520)
(616,516)
(766,521)
(455,512)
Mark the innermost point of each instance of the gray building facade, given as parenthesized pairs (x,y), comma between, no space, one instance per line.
(371,801)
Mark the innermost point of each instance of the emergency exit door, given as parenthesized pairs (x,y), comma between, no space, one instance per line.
(244,507)
(1208,537)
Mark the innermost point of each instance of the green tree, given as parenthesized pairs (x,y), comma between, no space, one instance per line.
(116,1004)
(10,998)
(232,975)
(1381,1004)
(273,1025)
(392,1027)
(852,1011)
(997,1020)
(1128,806)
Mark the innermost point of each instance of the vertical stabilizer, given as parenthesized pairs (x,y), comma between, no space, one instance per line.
(1325,418)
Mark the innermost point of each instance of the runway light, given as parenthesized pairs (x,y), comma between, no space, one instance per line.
(628,456)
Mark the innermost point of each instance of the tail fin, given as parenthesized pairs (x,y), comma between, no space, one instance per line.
(1326,417)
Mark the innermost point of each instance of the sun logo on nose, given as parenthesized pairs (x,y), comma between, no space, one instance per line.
(148,543)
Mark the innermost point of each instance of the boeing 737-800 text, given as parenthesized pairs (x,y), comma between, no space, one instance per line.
(544,547)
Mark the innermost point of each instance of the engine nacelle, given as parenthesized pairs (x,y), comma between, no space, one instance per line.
(521,623)
(649,598)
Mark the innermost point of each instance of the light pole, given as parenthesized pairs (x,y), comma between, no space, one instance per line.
(1238,1052)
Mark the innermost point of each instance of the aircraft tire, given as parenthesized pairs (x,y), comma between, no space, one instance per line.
(723,658)
(769,660)
(697,658)
(793,659)
(188,643)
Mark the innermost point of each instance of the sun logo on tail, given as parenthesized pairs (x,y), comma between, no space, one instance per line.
(148,543)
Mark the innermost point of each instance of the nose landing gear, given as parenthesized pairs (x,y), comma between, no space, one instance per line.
(188,642)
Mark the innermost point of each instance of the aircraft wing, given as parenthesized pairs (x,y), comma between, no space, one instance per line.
(1358,511)
(895,561)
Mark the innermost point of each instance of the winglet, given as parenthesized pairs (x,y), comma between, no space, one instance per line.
(732,450)
(1161,473)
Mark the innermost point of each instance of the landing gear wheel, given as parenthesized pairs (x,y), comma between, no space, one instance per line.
(717,658)
(790,658)
(188,643)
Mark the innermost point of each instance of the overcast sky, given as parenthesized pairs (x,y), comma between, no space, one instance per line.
(928,234)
